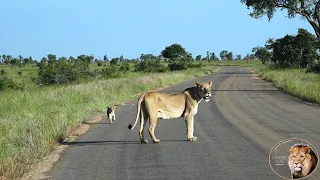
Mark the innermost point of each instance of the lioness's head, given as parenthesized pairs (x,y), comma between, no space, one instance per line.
(300,160)
(204,90)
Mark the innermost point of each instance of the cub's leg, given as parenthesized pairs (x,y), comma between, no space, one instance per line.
(152,127)
(190,127)
(143,122)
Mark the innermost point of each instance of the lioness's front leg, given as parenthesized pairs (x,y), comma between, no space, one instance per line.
(189,123)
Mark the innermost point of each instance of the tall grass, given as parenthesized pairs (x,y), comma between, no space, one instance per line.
(32,120)
(294,81)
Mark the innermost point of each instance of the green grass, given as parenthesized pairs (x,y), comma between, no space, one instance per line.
(294,81)
(32,120)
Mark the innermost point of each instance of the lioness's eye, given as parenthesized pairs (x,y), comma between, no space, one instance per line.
(301,156)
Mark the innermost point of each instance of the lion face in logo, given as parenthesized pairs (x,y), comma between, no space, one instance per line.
(302,160)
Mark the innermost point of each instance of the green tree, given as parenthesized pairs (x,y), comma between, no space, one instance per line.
(198,58)
(213,56)
(230,56)
(174,51)
(208,56)
(297,51)
(121,59)
(223,54)
(147,57)
(51,58)
(71,59)
(20,58)
(262,54)
(15,61)
(105,58)
(309,9)
(238,57)
(114,61)
(85,59)
(28,60)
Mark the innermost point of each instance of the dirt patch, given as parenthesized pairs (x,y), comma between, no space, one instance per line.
(255,75)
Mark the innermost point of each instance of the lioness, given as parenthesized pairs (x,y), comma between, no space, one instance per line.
(302,161)
(154,105)
(111,115)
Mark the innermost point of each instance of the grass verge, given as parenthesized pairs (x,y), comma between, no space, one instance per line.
(294,81)
(33,120)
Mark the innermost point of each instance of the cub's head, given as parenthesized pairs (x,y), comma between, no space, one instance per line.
(300,160)
(110,110)
(204,90)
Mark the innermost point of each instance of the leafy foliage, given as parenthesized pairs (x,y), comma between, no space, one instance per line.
(62,71)
(309,9)
(174,51)
(262,53)
(150,66)
(297,51)
(7,83)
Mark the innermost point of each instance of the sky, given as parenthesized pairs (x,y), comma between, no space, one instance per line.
(131,28)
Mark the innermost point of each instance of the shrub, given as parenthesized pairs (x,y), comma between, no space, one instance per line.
(7,83)
(3,72)
(314,67)
(125,67)
(149,66)
(111,71)
(177,65)
(193,65)
(20,73)
(62,72)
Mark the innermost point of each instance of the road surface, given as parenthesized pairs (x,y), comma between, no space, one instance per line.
(236,130)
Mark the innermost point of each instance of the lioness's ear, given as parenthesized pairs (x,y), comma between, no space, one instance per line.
(210,83)
(197,84)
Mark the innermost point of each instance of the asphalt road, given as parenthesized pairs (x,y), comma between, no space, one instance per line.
(236,130)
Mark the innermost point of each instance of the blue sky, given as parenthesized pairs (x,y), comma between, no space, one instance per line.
(129,28)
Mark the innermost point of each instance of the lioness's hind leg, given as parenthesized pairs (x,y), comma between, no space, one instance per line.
(152,127)
(143,123)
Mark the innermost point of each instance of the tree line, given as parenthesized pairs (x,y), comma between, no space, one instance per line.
(53,70)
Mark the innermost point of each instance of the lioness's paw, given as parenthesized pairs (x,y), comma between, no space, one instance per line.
(192,139)
(144,141)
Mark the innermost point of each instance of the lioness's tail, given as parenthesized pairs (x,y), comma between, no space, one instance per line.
(138,111)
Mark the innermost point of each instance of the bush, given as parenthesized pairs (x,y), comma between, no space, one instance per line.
(99,63)
(63,72)
(178,65)
(3,72)
(111,71)
(149,66)
(125,67)
(315,67)
(7,83)
(20,73)
(193,65)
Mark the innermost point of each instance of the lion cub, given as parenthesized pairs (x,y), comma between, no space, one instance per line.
(111,113)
